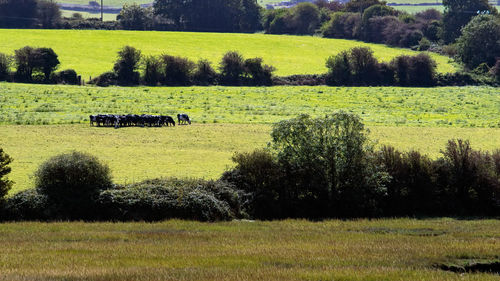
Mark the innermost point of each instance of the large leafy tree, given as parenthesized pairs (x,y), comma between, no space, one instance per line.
(458,13)
(134,17)
(480,41)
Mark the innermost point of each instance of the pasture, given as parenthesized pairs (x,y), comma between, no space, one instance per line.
(92,52)
(197,151)
(386,249)
(226,120)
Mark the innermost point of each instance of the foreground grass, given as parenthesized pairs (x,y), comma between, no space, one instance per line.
(92,52)
(396,249)
(444,107)
(199,150)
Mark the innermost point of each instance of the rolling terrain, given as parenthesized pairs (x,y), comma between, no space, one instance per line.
(92,52)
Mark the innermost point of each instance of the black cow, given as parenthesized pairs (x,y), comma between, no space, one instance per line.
(183,119)
(167,120)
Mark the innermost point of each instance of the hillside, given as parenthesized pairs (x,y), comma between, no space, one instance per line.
(92,52)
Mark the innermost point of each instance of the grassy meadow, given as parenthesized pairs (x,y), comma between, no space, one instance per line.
(92,52)
(389,106)
(395,249)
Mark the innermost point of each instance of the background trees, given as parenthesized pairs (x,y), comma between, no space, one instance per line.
(458,13)
(480,41)
(134,17)
(126,66)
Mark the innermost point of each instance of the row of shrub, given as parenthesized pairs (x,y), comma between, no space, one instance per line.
(171,70)
(35,65)
(314,168)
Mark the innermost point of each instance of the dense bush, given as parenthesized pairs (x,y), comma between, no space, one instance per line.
(5,184)
(358,66)
(232,68)
(72,182)
(152,70)
(126,66)
(106,79)
(177,71)
(28,205)
(5,62)
(342,25)
(480,41)
(67,76)
(161,199)
(204,73)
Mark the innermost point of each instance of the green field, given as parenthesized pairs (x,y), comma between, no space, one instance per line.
(395,249)
(226,120)
(443,107)
(92,52)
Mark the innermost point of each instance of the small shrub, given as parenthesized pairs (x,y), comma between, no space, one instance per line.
(259,74)
(72,182)
(495,70)
(424,44)
(339,69)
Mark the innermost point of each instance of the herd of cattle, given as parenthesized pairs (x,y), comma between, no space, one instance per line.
(117,121)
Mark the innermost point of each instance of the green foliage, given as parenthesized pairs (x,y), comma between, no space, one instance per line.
(480,41)
(152,70)
(424,44)
(134,17)
(29,60)
(224,15)
(126,66)
(177,70)
(458,13)
(342,25)
(162,199)
(232,68)
(304,18)
(48,13)
(67,76)
(5,183)
(359,6)
(18,14)
(28,204)
(72,182)
(204,73)
(339,69)
(5,63)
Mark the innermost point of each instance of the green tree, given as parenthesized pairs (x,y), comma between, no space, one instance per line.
(326,165)
(480,41)
(458,13)
(232,68)
(24,61)
(45,60)
(134,17)
(339,69)
(127,64)
(305,18)
(5,183)
(49,14)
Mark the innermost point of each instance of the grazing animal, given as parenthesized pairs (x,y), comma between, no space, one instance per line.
(183,119)
(93,119)
(167,120)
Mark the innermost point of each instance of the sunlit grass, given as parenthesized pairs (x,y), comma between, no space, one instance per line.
(397,249)
(92,52)
(443,107)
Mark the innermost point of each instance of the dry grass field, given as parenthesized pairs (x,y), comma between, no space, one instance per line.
(387,249)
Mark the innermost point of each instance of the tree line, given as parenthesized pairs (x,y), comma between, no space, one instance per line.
(354,67)
(314,168)
(131,68)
